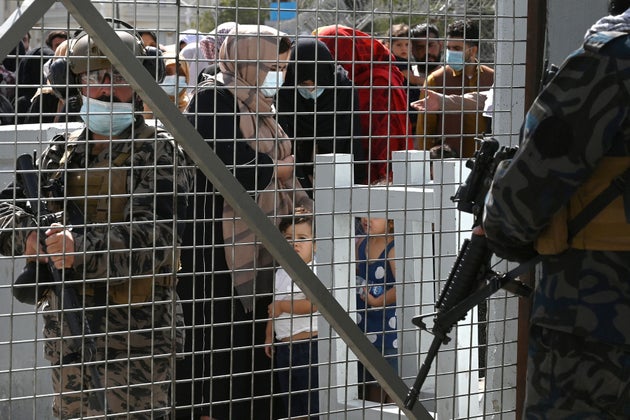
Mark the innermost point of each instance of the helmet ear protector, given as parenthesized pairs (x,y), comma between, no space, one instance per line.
(83,54)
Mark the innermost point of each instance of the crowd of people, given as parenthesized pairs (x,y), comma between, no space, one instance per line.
(379,90)
(266,104)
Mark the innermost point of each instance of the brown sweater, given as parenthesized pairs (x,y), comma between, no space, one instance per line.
(454,128)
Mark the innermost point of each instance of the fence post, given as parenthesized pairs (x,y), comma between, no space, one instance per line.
(415,256)
(335,268)
(428,224)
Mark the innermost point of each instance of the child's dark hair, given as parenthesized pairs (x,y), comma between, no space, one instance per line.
(300,215)
(398,30)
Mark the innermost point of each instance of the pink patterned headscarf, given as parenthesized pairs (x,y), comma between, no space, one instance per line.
(211,44)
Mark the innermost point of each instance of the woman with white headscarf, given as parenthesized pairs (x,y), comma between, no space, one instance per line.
(199,55)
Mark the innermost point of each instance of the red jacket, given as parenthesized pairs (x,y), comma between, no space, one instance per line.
(382,97)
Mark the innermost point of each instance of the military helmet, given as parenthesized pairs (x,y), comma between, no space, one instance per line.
(84,48)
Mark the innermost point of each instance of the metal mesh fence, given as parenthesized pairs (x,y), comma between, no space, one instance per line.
(256,213)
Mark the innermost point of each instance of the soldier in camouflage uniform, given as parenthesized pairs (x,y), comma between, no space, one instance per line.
(120,255)
(575,140)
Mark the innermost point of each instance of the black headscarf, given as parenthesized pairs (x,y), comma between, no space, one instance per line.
(11,60)
(30,71)
(328,124)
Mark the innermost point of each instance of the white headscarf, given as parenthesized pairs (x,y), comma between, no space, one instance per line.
(619,23)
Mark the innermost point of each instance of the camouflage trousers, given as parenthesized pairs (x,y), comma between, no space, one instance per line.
(135,354)
(136,389)
(570,377)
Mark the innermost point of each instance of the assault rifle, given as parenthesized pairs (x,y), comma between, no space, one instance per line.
(66,294)
(471,279)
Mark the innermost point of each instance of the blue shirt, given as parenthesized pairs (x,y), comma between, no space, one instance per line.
(378,323)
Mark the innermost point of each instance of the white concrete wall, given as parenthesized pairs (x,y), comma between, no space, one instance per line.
(23,370)
(567,24)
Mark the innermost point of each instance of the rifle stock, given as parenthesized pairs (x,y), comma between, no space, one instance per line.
(67,295)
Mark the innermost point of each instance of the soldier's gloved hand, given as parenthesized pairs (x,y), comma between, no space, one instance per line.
(34,248)
(60,244)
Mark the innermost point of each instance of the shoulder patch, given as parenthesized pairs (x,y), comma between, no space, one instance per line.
(596,42)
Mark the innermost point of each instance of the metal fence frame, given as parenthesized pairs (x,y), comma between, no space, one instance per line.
(509,86)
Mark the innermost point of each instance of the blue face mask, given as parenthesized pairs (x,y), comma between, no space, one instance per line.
(171,82)
(455,59)
(106,118)
(308,93)
(272,82)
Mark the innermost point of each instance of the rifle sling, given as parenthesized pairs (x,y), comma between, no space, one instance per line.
(618,186)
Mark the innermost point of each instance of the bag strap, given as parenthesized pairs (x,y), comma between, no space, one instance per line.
(618,186)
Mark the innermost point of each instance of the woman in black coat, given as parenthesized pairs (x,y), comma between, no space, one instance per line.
(318,107)
(226,281)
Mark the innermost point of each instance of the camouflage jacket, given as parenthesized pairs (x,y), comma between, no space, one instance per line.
(158,182)
(581,116)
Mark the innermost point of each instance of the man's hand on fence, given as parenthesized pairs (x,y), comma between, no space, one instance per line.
(432,101)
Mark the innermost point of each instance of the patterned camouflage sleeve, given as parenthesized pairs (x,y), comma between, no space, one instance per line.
(575,121)
(14,221)
(159,185)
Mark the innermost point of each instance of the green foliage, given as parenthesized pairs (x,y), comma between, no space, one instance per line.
(241,11)
(207,22)
(372,16)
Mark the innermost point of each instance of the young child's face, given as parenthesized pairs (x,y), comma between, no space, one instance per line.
(375,226)
(301,236)
(400,48)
